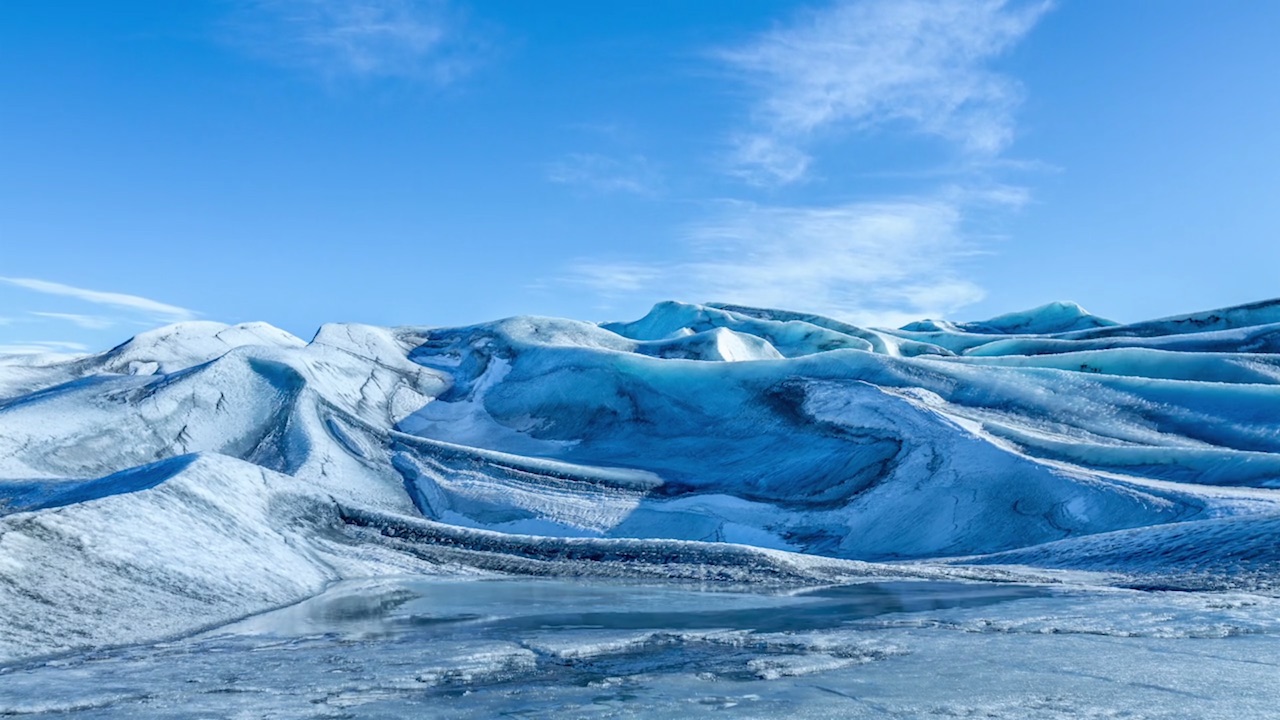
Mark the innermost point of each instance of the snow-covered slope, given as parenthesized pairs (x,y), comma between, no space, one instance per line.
(201,472)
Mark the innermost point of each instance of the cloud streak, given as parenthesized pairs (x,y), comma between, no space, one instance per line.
(88,322)
(121,301)
(873,263)
(633,175)
(42,347)
(407,39)
(858,66)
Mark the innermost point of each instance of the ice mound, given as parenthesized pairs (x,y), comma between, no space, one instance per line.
(151,549)
(1052,318)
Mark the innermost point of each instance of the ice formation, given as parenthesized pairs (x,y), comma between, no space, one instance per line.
(201,473)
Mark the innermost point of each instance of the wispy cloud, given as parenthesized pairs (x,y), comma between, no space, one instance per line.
(921,64)
(42,347)
(428,40)
(904,69)
(613,279)
(88,322)
(874,263)
(603,174)
(764,160)
(156,310)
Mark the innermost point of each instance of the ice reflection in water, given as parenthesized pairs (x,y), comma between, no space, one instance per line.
(499,607)
(512,606)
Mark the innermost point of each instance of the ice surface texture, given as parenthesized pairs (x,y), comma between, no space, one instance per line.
(201,472)
(415,647)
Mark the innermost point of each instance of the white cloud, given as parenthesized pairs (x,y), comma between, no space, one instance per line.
(88,322)
(617,278)
(861,65)
(152,308)
(40,347)
(599,173)
(764,160)
(411,39)
(911,68)
(873,263)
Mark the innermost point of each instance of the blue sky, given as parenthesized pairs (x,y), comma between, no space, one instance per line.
(444,162)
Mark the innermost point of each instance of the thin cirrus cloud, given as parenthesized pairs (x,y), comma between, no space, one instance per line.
(633,175)
(427,40)
(134,305)
(906,69)
(43,347)
(874,263)
(88,322)
(859,66)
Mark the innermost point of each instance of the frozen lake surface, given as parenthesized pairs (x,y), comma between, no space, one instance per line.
(420,647)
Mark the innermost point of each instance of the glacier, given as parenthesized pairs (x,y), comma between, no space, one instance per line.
(627,509)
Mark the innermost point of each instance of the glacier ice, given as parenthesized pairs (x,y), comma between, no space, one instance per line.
(203,473)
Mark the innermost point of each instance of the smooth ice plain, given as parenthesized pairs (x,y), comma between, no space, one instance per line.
(712,509)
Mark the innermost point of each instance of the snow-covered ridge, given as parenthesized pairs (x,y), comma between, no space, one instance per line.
(201,472)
